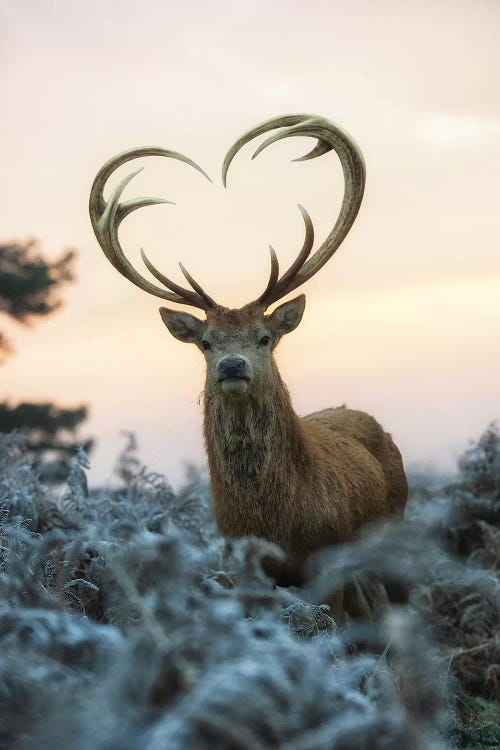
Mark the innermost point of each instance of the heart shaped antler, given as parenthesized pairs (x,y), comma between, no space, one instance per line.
(329,136)
(107,217)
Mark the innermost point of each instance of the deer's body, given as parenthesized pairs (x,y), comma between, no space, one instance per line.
(300,482)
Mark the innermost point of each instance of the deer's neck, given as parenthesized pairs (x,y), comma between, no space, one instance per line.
(253,444)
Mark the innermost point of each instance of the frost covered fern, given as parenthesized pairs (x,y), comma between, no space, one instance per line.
(126,622)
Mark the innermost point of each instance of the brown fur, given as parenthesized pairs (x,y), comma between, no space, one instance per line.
(300,482)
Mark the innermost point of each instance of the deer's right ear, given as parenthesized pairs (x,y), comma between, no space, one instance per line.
(287,316)
(183,326)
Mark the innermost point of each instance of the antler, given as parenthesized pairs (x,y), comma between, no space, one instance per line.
(107,217)
(330,136)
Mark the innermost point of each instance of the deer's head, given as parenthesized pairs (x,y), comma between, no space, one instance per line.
(237,344)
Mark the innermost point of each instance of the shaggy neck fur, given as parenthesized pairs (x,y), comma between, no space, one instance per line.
(256,444)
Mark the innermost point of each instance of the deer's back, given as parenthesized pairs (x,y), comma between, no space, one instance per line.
(345,473)
(361,429)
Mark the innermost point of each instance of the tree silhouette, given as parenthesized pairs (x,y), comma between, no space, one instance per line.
(29,289)
(48,431)
(29,284)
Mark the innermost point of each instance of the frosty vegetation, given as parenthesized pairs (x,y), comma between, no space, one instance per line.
(127,623)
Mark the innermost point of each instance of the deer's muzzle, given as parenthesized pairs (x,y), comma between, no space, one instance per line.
(234,374)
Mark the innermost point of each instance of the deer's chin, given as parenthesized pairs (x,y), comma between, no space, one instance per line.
(234,387)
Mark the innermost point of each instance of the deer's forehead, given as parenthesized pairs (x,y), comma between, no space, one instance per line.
(224,336)
(234,325)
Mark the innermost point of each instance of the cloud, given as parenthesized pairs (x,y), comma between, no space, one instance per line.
(451,130)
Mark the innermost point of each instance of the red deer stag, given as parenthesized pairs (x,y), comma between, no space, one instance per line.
(301,482)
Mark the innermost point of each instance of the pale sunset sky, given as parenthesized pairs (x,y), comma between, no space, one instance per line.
(403,322)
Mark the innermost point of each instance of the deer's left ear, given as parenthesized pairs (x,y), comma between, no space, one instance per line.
(183,326)
(287,316)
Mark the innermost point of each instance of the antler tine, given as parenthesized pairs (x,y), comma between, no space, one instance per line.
(273,276)
(176,288)
(329,136)
(278,289)
(107,217)
(264,127)
(197,288)
(305,251)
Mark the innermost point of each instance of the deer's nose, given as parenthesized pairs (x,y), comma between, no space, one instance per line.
(231,367)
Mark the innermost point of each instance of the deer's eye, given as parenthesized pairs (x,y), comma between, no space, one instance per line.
(264,341)
(206,345)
